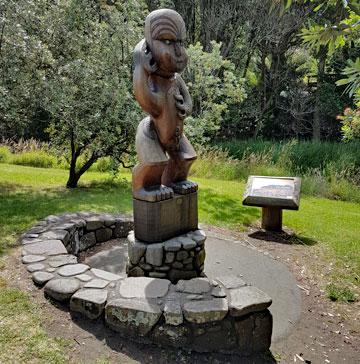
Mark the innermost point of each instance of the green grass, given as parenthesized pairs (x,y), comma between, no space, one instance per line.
(299,155)
(22,338)
(334,180)
(28,194)
(338,293)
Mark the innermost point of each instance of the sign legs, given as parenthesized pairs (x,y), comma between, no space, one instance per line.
(271,218)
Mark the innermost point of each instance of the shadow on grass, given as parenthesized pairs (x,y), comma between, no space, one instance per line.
(217,208)
(19,209)
(282,237)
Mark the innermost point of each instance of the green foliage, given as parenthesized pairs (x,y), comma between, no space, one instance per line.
(5,154)
(299,156)
(350,124)
(339,25)
(339,293)
(71,60)
(38,158)
(351,118)
(352,71)
(213,85)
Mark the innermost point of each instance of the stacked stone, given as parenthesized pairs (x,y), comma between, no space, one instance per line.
(224,314)
(50,248)
(199,314)
(181,257)
(78,231)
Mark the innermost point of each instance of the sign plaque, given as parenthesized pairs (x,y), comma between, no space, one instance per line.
(273,194)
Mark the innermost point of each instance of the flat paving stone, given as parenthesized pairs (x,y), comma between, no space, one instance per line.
(89,302)
(61,289)
(42,277)
(205,310)
(195,285)
(60,260)
(105,275)
(132,317)
(72,269)
(27,259)
(247,299)
(231,281)
(96,283)
(28,240)
(144,287)
(84,277)
(35,267)
(48,247)
(62,235)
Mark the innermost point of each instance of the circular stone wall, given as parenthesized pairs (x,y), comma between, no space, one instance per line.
(223,314)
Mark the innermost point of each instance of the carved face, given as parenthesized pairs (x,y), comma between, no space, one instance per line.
(165,34)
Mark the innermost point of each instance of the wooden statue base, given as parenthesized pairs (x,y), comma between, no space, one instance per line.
(161,220)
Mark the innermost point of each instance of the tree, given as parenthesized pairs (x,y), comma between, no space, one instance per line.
(213,85)
(71,59)
(351,117)
(89,90)
(337,24)
(23,57)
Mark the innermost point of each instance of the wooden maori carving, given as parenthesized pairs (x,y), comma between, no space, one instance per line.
(165,154)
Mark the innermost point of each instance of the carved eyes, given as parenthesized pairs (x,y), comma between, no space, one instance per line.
(169,42)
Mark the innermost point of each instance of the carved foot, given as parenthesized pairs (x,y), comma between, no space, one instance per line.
(153,194)
(184,187)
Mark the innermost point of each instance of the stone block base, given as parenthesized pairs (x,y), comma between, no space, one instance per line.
(161,220)
(198,314)
(181,257)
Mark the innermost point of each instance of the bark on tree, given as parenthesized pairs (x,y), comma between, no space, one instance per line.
(316,134)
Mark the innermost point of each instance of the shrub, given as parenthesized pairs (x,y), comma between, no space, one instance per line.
(38,158)
(103,164)
(5,154)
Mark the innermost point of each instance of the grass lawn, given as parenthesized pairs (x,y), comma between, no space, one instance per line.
(28,194)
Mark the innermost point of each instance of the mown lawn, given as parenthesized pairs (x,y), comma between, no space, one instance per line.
(28,194)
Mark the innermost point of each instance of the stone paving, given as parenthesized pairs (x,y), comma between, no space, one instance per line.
(220,314)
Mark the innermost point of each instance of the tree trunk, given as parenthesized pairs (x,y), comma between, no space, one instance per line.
(73,179)
(74,175)
(316,132)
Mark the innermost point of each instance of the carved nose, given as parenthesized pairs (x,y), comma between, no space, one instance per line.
(177,50)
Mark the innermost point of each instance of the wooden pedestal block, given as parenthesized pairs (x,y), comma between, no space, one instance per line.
(158,221)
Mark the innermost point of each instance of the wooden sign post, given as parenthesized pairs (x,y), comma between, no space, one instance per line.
(273,194)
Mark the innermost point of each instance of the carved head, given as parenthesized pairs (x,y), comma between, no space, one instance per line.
(165,34)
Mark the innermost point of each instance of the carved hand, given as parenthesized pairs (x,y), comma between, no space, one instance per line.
(184,108)
(147,59)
